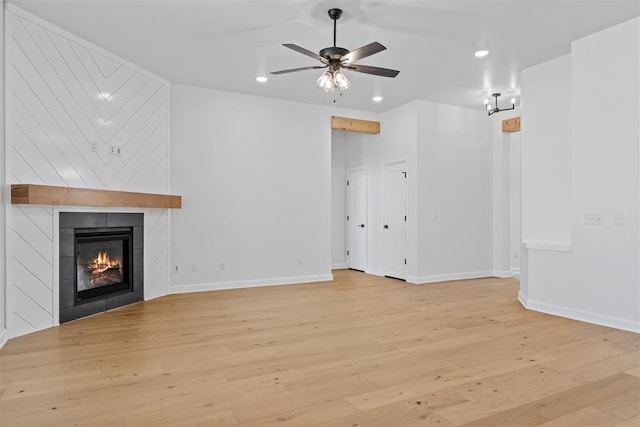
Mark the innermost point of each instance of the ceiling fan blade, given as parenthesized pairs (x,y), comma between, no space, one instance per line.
(384,72)
(293,70)
(363,52)
(305,52)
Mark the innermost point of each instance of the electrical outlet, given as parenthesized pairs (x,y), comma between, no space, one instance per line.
(194,268)
(299,262)
(221,266)
(593,218)
(93,146)
(115,150)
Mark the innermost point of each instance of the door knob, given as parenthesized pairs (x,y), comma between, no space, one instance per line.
(385,226)
(361,226)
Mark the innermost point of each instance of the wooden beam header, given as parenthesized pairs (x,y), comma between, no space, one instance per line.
(511,125)
(31,194)
(355,125)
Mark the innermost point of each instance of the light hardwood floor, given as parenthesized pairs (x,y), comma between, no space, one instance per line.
(358,351)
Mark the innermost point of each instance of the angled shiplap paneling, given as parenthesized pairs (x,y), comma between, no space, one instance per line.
(156,253)
(68,104)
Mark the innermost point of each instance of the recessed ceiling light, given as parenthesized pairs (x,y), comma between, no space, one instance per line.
(261,79)
(481,53)
(377,98)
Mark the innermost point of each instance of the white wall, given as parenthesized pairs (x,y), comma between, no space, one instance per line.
(3,190)
(448,154)
(255,176)
(506,197)
(339,140)
(546,153)
(454,191)
(396,142)
(56,109)
(597,279)
(514,142)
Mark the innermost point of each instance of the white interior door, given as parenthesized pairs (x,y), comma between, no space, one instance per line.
(357,219)
(394,217)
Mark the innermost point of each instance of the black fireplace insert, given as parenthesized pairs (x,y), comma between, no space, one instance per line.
(101,262)
(103,259)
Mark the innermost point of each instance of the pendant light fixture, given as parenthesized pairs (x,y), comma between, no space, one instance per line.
(492,110)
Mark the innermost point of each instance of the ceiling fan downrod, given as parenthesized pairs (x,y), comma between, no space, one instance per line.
(334,14)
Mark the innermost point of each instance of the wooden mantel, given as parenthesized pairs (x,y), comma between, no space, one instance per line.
(32,194)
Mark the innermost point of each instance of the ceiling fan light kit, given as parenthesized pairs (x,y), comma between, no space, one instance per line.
(492,110)
(336,58)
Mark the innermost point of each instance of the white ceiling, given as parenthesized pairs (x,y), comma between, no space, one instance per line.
(225,44)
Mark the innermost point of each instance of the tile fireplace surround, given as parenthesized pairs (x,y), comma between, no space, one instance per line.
(71,307)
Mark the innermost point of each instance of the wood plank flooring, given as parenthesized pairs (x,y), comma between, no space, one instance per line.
(358,351)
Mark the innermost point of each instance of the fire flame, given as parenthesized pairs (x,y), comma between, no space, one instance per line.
(102,263)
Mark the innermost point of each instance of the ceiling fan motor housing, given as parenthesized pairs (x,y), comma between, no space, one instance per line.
(333,52)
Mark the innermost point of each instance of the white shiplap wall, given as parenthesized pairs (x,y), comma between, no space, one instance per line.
(68,103)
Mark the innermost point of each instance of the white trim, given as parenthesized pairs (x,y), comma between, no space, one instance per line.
(582,316)
(169,180)
(4,337)
(417,280)
(83,42)
(55,292)
(404,160)
(375,272)
(523,299)
(515,272)
(339,266)
(502,273)
(548,246)
(203,287)
(4,194)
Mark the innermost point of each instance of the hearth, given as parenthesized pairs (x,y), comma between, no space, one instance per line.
(101,262)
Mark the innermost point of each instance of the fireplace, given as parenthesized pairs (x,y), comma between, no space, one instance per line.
(101,258)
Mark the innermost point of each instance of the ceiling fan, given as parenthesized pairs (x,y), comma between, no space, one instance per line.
(336,58)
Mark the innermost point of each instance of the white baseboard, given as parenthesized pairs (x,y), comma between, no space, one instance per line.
(339,266)
(419,280)
(582,316)
(515,272)
(375,272)
(548,246)
(202,287)
(502,273)
(4,337)
(523,300)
